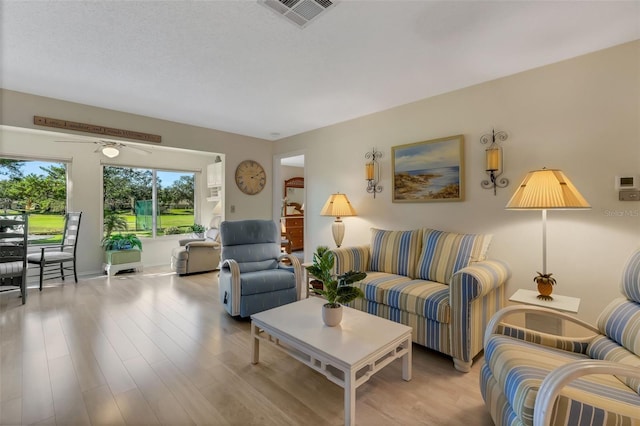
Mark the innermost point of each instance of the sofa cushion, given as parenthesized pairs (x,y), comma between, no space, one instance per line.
(620,321)
(424,298)
(267,281)
(519,368)
(394,252)
(445,253)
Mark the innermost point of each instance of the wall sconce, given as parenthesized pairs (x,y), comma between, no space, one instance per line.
(372,169)
(494,161)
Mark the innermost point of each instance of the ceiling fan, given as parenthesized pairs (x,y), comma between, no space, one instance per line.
(112,149)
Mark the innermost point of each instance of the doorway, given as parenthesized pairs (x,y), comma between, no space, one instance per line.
(289,200)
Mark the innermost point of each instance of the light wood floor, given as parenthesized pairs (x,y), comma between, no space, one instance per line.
(155,348)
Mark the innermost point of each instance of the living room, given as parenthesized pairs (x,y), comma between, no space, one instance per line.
(579,115)
(552,122)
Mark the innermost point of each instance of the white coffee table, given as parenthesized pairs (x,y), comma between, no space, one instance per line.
(348,354)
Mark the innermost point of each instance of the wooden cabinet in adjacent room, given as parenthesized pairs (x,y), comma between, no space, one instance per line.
(295,231)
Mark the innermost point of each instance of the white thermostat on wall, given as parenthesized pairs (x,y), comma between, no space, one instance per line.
(627,182)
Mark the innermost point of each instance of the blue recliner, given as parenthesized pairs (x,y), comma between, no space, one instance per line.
(252,278)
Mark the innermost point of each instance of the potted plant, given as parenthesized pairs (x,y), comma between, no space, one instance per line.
(113,222)
(120,250)
(121,242)
(198,230)
(545,284)
(337,290)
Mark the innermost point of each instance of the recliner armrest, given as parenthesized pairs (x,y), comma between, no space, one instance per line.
(202,243)
(185,241)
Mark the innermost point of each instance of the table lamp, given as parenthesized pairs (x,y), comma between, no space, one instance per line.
(338,205)
(546,189)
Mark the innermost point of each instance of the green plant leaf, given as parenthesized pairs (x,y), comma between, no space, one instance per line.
(336,290)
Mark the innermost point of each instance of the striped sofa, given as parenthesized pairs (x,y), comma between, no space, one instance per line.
(532,378)
(439,283)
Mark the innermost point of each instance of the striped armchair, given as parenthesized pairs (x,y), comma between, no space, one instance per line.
(439,283)
(532,378)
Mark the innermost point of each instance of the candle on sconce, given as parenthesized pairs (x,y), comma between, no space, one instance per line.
(493,159)
(369,170)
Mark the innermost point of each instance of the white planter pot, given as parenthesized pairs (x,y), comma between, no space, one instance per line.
(331,316)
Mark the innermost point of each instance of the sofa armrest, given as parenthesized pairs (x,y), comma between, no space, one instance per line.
(475,294)
(568,343)
(478,279)
(554,382)
(351,259)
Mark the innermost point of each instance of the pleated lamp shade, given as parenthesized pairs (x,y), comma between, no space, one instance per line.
(547,189)
(338,205)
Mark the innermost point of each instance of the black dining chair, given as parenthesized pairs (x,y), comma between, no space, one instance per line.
(54,260)
(14,230)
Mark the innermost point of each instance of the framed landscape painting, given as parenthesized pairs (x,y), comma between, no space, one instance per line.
(429,171)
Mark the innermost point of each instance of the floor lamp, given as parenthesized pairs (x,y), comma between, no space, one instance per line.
(544,190)
(338,205)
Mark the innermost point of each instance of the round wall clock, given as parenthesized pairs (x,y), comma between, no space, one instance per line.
(250,177)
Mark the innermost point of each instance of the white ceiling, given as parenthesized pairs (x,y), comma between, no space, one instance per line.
(239,67)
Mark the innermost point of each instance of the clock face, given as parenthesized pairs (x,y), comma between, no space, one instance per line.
(250,177)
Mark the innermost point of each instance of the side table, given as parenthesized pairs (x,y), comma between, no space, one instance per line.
(307,276)
(542,322)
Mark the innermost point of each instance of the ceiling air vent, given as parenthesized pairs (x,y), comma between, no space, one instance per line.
(300,12)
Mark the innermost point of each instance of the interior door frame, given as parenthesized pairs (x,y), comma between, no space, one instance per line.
(278,191)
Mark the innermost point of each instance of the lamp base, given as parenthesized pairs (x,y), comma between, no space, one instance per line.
(337,229)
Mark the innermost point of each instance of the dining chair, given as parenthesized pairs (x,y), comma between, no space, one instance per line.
(14,230)
(53,260)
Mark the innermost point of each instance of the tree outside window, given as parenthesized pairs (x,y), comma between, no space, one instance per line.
(38,188)
(150,202)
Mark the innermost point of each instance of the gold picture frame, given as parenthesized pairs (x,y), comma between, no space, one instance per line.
(429,171)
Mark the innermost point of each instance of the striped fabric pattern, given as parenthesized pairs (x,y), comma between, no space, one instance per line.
(620,321)
(447,318)
(423,298)
(532,336)
(606,349)
(444,253)
(476,294)
(394,252)
(520,367)
(630,284)
(494,399)
(431,334)
(351,259)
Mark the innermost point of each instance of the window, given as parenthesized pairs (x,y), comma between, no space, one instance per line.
(38,188)
(148,202)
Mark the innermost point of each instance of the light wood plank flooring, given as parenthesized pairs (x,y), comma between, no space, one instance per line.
(154,348)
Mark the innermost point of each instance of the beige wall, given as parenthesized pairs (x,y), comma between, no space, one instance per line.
(581,116)
(18,110)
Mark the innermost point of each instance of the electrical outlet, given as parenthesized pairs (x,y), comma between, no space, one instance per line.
(232,209)
(629,195)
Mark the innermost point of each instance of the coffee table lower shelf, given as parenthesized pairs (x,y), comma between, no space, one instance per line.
(347,374)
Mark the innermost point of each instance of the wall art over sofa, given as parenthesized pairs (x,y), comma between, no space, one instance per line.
(427,171)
